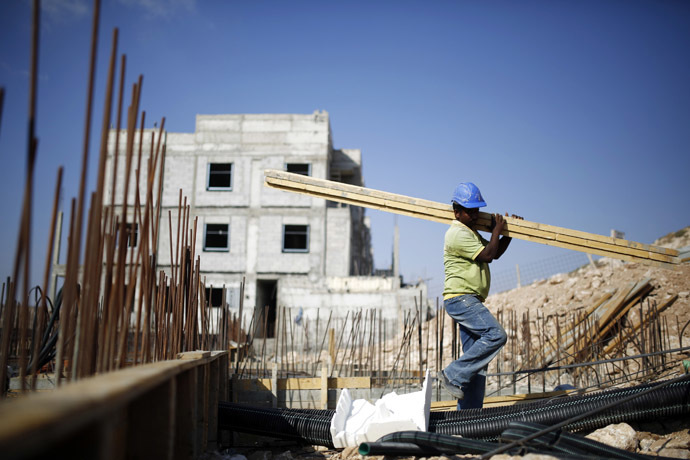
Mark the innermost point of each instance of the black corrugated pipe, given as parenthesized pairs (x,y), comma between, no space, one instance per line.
(588,414)
(427,444)
(398,449)
(487,424)
(313,426)
(422,443)
(561,442)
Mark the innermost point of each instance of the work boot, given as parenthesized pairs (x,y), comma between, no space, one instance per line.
(454,390)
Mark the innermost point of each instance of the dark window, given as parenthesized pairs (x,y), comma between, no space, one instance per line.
(131,234)
(216,237)
(219,176)
(295,238)
(214,297)
(266,307)
(132,296)
(299,168)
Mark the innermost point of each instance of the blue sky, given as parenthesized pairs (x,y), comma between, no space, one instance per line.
(575,114)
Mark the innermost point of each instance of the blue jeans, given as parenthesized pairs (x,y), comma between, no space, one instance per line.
(482,336)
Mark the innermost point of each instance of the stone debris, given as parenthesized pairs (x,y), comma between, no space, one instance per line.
(674,453)
(620,435)
(524,457)
(675,445)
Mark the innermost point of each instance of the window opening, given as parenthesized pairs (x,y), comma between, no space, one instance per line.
(131,235)
(214,297)
(295,238)
(219,176)
(299,168)
(216,237)
(266,302)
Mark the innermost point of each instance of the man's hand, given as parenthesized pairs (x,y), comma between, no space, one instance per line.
(498,245)
(497,224)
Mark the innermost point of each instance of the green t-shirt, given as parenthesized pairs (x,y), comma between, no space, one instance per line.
(464,275)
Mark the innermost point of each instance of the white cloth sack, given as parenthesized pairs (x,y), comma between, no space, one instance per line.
(360,421)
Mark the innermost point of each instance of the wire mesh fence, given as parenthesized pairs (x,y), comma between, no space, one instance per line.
(525,274)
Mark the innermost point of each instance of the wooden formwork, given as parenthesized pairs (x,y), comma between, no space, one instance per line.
(166,409)
(297,392)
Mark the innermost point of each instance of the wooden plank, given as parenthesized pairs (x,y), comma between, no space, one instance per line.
(324,388)
(541,234)
(590,250)
(623,250)
(629,303)
(600,314)
(637,324)
(606,315)
(609,241)
(567,334)
(301,383)
(439,212)
(335,188)
(514,227)
(505,400)
(349,382)
(363,200)
(37,424)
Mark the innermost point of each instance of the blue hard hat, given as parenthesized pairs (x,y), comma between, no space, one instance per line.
(467,195)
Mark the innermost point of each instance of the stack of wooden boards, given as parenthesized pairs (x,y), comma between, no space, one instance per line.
(595,325)
(440,212)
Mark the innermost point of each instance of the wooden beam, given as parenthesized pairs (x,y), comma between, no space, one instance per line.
(506,400)
(439,212)
(75,420)
(303,383)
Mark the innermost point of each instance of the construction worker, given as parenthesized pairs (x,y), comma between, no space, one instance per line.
(466,259)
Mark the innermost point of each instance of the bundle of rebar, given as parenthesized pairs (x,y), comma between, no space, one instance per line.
(115,307)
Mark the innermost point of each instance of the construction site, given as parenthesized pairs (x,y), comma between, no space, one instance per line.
(217,299)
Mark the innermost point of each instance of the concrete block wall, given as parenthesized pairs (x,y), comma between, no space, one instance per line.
(241,182)
(361,253)
(346,166)
(271,259)
(256,214)
(265,134)
(231,261)
(338,234)
(270,197)
(343,294)
(149,137)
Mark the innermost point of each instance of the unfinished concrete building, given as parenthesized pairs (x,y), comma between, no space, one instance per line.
(293,251)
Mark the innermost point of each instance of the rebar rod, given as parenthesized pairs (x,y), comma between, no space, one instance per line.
(22,254)
(419,336)
(589,363)
(74,248)
(43,308)
(2,101)
(337,348)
